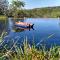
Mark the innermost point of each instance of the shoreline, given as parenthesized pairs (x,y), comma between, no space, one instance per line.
(2,17)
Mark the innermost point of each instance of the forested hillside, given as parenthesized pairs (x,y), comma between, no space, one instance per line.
(43,12)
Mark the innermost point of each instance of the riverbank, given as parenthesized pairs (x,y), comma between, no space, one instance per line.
(3,17)
(16,18)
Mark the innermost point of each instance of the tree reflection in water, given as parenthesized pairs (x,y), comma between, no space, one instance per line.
(22,29)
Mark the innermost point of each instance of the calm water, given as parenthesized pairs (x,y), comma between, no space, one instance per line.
(46,31)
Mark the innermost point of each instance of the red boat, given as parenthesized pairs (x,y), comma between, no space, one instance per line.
(23,25)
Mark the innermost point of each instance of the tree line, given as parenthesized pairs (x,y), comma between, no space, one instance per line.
(46,12)
(15,10)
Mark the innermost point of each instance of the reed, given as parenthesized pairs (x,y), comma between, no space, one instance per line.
(2,36)
(28,52)
(32,53)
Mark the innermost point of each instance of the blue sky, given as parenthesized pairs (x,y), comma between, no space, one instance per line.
(40,3)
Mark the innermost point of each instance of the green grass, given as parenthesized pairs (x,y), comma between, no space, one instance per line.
(2,17)
(30,52)
(2,35)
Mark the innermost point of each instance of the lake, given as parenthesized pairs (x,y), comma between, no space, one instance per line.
(46,31)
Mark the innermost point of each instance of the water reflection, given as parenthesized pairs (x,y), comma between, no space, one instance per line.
(59,22)
(22,29)
(3,26)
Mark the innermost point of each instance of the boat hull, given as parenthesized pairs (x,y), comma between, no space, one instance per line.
(22,26)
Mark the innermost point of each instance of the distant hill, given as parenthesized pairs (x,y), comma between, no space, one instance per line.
(47,12)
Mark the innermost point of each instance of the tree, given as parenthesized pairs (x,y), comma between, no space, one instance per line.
(16,6)
(3,7)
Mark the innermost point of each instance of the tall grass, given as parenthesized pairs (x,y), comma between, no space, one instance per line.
(28,52)
(2,35)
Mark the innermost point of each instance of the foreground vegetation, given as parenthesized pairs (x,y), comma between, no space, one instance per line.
(31,53)
(28,52)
